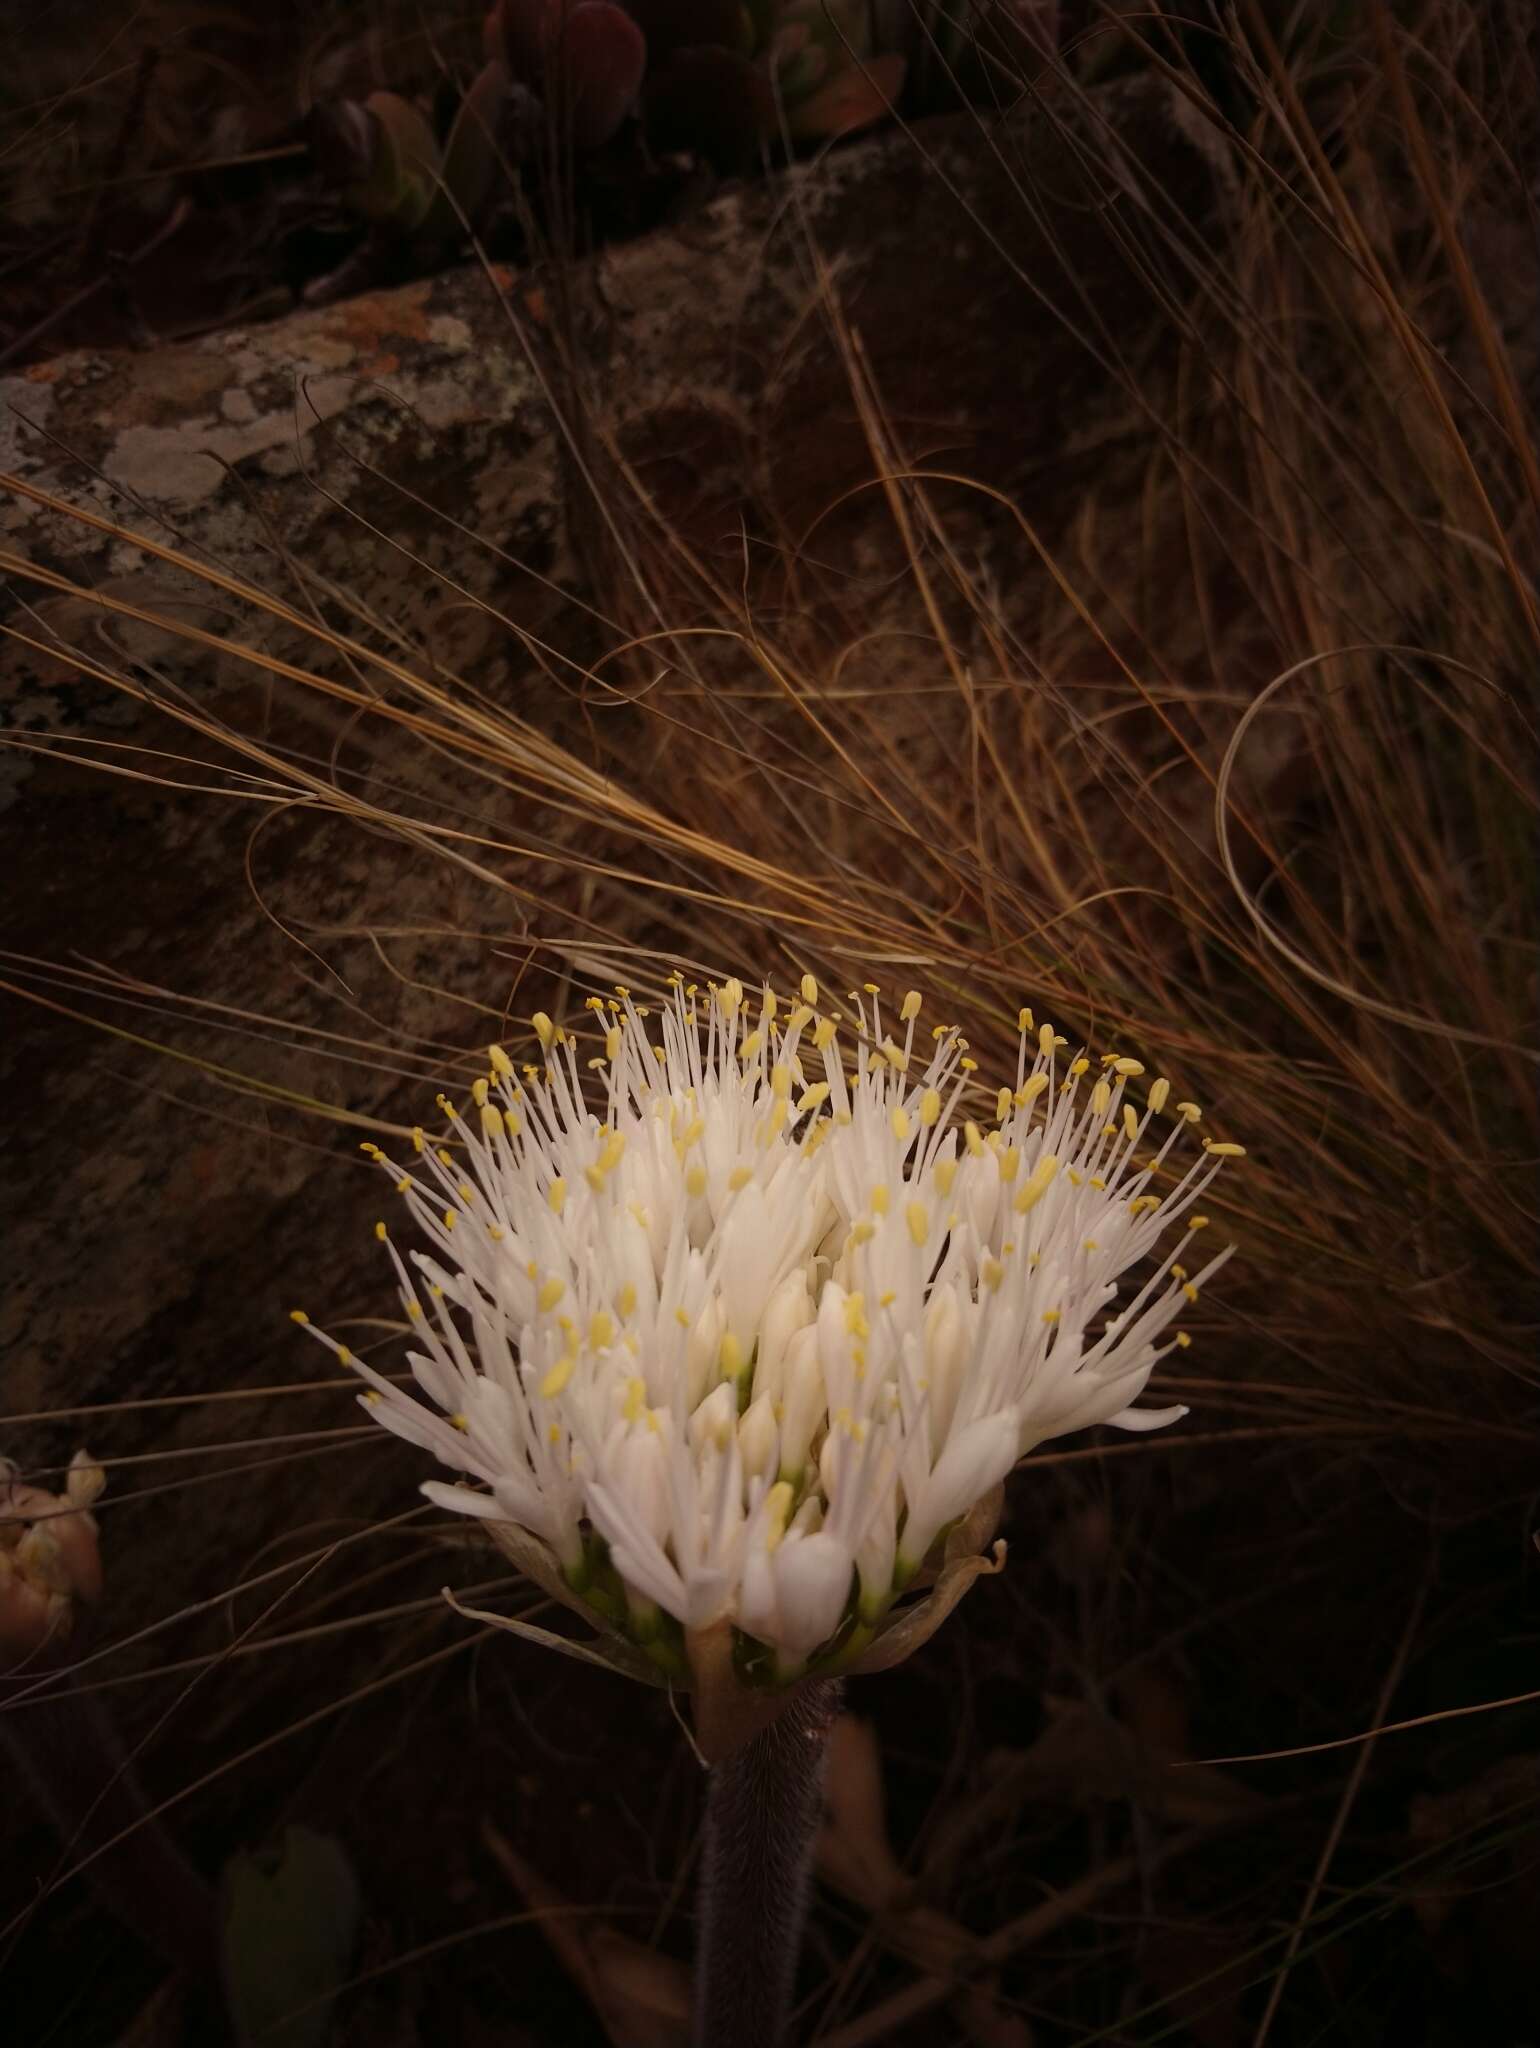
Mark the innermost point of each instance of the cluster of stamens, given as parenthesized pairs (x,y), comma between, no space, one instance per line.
(745,1337)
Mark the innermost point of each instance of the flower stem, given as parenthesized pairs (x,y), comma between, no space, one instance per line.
(762,1811)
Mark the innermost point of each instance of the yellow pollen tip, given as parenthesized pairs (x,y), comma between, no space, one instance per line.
(909,1009)
(380,1232)
(557,1377)
(501,1064)
(1045,1040)
(551,1292)
(1037,1184)
(946,1173)
(1029,1090)
(808,989)
(1159,1090)
(1023,1020)
(930,1108)
(992,1273)
(973,1138)
(1128,1068)
(879,1199)
(1101,1096)
(1130,1123)
(298,1315)
(450,1219)
(491,1120)
(695,1181)
(1197,1223)
(1189,1290)
(823,1033)
(1191,1111)
(1225,1151)
(1182,1340)
(1079,1067)
(919,1222)
(899,1122)
(344,1356)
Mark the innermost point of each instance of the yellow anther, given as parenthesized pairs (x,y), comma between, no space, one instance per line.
(808,989)
(614,1151)
(895,1056)
(969,1066)
(551,1292)
(625,1300)
(871,988)
(501,1064)
(681,1319)
(635,1398)
(495,1232)
(1130,1123)
(814,1098)
(1128,1068)
(1023,1019)
(1225,1151)
(1098,1183)
(801,1016)
(1030,1090)
(780,1082)
(1189,1290)
(444,1158)
(1036,1184)
(381,1232)
(777,1505)
(298,1315)
(740,1177)
(930,1108)
(450,1219)
(879,1199)
(459,1420)
(1159,1090)
(946,1173)
(1182,1340)
(1197,1223)
(731,996)
(751,1044)
(414,1310)
(899,1122)
(823,1033)
(918,1218)
(695,1182)
(558,1376)
(1142,1204)
(1178,1272)
(479,1092)
(1079,1067)
(403,1185)
(545,1030)
(770,1008)
(556,1195)
(371,1151)
(862,1231)
(595,1177)
(1050,1315)
(775,1123)
(992,1273)
(1045,1040)
(614,1038)
(973,1138)
(1191,1111)
(856,1324)
(344,1356)
(731,1357)
(1010,1163)
(909,1008)
(491,1120)
(1101,1096)
(1002,1105)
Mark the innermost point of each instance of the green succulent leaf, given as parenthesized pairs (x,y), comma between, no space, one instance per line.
(291,1921)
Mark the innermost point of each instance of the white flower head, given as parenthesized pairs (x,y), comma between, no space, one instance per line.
(739,1321)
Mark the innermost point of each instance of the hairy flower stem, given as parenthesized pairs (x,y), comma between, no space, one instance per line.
(69,1756)
(762,1812)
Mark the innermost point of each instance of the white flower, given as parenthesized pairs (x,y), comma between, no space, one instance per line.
(739,1330)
